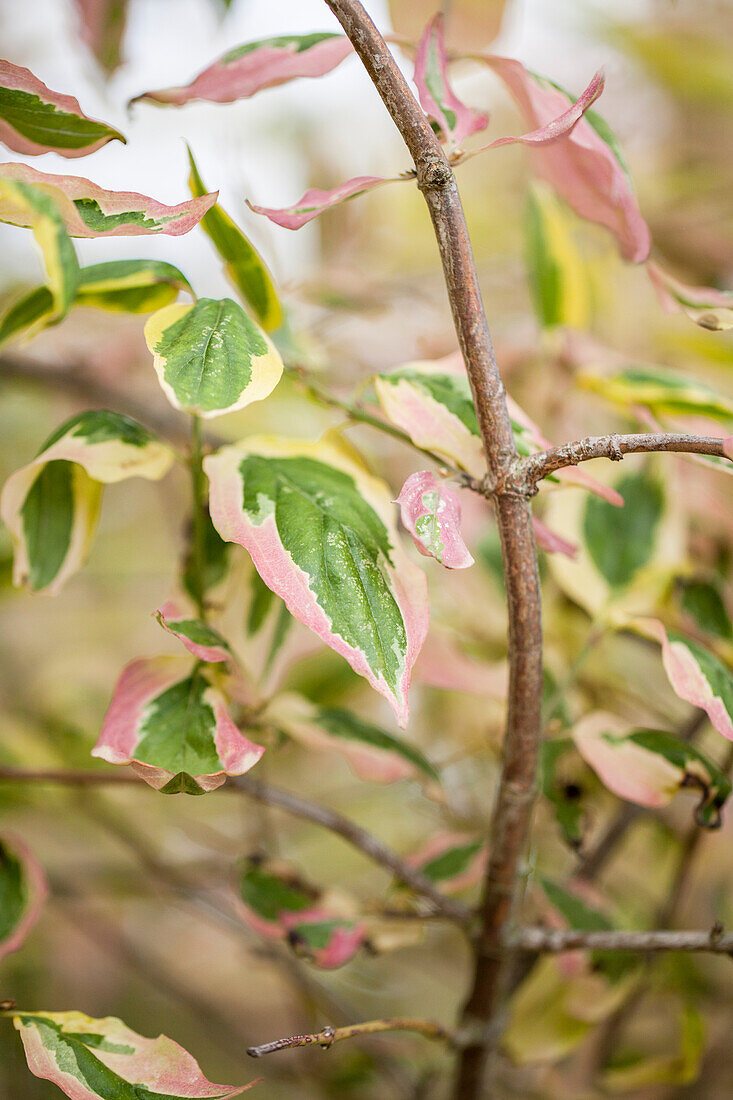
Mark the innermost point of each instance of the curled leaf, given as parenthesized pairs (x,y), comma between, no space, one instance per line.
(23,890)
(321,533)
(210,357)
(91,211)
(51,505)
(661,390)
(102,29)
(315,201)
(35,120)
(171,723)
(586,166)
(103,1059)
(649,767)
(431,512)
(199,638)
(243,265)
(453,121)
(248,69)
(710,308)
(277,903)
(372,752)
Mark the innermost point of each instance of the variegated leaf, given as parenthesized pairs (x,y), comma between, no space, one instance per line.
(169,721)
(558,274)
(90,211)
(102,1059)
(243,265)
(372,752)
(198,637)
(586,167)
(710,308)
(661,390)
(277,903)
(452,120)
(704,603)
(696,674)
(321,533)
(211,358)
(59,257)
(247,69)
(431,401)
(451,861)
(103,28)
(129,286)
(315,201)
(580,906)
(431,512)
(35,120)
(649,767)
(23,890)
(51,505)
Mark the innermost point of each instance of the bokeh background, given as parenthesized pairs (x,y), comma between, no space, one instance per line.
(120,936)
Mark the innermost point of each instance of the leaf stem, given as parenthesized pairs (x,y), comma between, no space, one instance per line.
(327,1036)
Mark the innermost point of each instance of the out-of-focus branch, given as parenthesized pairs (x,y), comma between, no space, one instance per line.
(555,940)
(330,1035)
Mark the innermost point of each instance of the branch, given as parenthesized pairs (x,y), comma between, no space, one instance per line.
(557,940)
(293,804)
(517,781)
(614,447)
(330,1035)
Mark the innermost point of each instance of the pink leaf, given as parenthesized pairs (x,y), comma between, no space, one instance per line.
(23,893)
(710,308)
(443,664)
(91,211)
(171,723)
(454,120)
(552,542)
(555,128)
(103,28)
(585,167)
(314,202)
(646,778)
(248,69)
(66,129)
(431,512)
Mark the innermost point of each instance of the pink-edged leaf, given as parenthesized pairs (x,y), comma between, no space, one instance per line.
(431,512)
(90,211)
(103,1059)
(23,890)
(554,129)
(373,753)
(443,664)
(585,166)
(276,902)
(452,861)
(248,69)
(103,28)
(452,119)
(649,766)
(550,541)
(728,447)
(321,533)
(199,638)
(35,120)
(314,202)
(695,673)
(171,723)
(710,308)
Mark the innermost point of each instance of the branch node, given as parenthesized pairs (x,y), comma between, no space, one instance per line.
(434,173)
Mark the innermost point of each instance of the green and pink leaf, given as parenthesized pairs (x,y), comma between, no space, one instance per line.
(710,308)
(321,533)
(200,639)
(452,861)
(35,120)
(245,70)
(171,723)
(315,201)
(453,121)
(23,891)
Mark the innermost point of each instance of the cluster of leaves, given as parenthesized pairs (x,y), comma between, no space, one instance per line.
(321,530)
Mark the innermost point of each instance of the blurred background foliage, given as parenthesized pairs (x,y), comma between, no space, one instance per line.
(364,290)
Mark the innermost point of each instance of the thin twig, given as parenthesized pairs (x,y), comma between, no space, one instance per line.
(534,467)
(556,940)
(330,1035)
(293,804)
